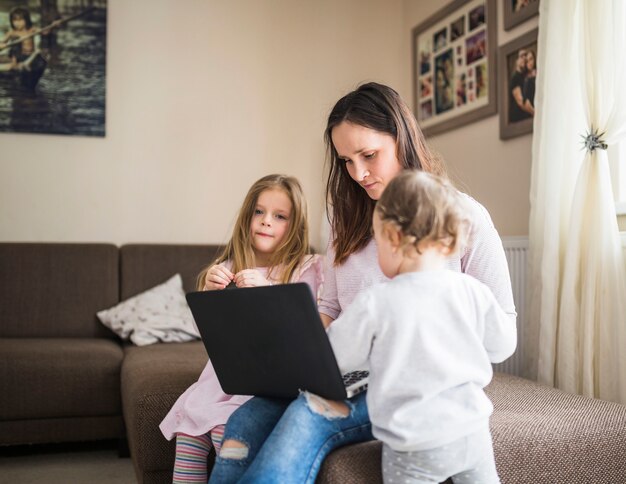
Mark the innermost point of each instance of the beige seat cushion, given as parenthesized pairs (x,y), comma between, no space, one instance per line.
(541,435)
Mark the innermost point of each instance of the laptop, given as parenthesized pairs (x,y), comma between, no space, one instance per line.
(269,341)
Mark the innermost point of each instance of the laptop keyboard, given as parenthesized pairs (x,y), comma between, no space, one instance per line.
(354,376)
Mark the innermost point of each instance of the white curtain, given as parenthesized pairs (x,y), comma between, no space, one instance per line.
(578,277)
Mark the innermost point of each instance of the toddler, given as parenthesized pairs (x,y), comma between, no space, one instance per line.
(429,336)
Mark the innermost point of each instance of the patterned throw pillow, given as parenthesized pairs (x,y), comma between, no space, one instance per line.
(158,314)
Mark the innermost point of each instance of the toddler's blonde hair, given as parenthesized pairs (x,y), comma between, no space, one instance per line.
(425,208)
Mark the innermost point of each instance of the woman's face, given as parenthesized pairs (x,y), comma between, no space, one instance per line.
(530,61)
(521,60)
(370,156)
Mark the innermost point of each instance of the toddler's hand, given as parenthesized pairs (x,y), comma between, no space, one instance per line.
(250,278)
(217,277)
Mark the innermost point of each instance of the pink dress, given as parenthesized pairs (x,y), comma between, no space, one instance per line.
(204,405)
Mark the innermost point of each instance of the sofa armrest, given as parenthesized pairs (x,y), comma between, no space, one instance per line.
(153,377)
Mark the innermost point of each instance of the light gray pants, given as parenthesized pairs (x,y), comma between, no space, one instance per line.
(468,460)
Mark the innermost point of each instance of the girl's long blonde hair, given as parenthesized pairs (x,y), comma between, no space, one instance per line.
(289,254)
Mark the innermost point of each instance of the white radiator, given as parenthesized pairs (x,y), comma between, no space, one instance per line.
(516,250)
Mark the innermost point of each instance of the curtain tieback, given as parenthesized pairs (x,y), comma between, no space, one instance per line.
(593,140)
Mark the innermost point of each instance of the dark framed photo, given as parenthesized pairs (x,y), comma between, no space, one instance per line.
(517,71)
(517,11)
(454,68)
(53,66)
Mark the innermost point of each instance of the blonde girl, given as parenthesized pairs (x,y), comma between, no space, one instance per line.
(269,245)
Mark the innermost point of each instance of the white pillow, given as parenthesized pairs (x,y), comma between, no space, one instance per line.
(158,314)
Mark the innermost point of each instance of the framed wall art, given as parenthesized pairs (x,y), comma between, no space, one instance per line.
(53,66)
(517,11)
(517,71)
(454,71)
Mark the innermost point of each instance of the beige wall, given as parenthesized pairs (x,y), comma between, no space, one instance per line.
(203,100)
(203,97)
(495,172)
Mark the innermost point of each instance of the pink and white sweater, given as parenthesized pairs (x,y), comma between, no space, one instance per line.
(482,258)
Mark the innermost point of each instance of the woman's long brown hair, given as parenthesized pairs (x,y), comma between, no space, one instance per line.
(349,208)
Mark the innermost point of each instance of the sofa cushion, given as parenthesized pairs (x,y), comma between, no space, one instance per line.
(143,266)
(540,434)
(352,464)
(69,429)
(54,290)
(57,377)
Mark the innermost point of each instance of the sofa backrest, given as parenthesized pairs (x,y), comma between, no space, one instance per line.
(55,290)
(143,266)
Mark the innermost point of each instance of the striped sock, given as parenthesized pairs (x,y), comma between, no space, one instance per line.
(217,435)
(191,457)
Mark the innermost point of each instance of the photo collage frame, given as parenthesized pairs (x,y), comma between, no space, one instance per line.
(454,66)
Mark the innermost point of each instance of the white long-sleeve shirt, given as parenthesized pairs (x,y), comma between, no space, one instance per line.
(482,258)
(429,338)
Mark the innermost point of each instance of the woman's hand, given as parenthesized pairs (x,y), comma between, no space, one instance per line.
(250,278)
(217,277)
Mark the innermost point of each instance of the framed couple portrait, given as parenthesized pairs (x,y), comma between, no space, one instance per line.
(517,11)
(517,71)
(454,68)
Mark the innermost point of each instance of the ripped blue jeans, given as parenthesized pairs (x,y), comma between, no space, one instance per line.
(287,440)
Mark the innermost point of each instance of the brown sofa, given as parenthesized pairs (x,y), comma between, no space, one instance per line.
(64,377)
(59,368)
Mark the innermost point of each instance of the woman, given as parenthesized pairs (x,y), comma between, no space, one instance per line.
(371,136)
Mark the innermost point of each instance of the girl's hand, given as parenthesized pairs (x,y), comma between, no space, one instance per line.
(217,277)
(250,278)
